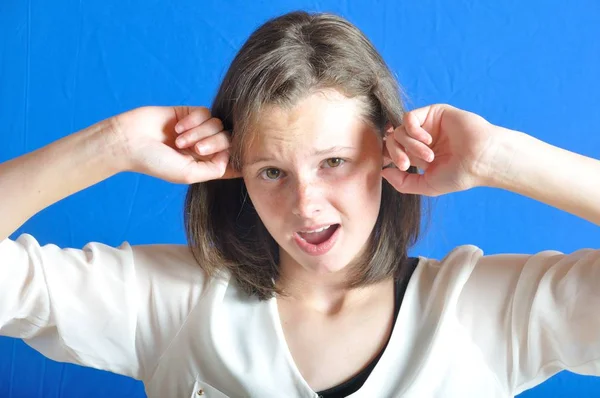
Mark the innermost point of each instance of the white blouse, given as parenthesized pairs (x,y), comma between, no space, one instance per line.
(469,326)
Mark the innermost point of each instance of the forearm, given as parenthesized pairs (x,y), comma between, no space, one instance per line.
(557,177)
(38,179)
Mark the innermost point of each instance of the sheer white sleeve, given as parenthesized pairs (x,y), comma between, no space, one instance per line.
(534,315)
(115,309)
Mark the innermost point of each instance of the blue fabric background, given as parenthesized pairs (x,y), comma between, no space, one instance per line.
(527,65)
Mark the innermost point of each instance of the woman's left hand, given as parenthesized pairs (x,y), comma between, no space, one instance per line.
(453,149)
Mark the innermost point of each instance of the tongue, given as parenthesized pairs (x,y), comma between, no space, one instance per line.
(317,238)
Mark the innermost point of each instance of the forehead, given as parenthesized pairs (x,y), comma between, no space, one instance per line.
(322,119)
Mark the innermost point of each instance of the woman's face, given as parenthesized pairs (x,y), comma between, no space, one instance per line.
(316,166)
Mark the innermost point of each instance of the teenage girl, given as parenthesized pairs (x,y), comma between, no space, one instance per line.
(305,181)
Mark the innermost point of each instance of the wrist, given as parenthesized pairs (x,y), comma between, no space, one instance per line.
(501,158)
(113,141)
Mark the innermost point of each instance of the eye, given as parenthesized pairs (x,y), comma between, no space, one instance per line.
(271,173)
(334,162)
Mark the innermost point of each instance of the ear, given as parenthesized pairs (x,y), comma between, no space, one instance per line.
(388,129)
(387,160)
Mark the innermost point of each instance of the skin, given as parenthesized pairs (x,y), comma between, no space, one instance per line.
(292,186)
(333,333)
(294,179)
(456,150)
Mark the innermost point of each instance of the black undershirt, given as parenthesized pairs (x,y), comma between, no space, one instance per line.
(350,386)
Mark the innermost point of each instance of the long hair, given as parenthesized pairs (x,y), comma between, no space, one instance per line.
(284,60)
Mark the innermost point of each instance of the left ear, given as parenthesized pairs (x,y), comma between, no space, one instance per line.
(388,129)
(387,160)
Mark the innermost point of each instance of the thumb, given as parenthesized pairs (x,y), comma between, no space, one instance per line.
(405,182)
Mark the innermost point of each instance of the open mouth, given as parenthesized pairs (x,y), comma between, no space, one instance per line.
(318,241)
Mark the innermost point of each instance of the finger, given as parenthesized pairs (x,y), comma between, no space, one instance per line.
(413,125)
(412,159)
(206,129)
(408,183)
(230,172)
(223,159)
(196,117)
(387,159)
(397,154)
(428,118)
(413,145)
(401,156)
(213,144)
(209,169)
(417,161)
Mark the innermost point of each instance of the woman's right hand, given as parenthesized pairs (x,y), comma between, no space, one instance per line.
(198,151)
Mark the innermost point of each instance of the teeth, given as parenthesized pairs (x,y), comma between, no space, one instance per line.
(316,230)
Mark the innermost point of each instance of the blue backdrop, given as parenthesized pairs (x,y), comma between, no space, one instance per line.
(532,66)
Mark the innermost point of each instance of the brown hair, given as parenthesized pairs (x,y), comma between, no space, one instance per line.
(282,61)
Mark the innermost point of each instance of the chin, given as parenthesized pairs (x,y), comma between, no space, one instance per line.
(328,264)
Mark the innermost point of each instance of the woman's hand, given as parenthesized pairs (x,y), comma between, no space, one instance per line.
(179,144)
(452,148)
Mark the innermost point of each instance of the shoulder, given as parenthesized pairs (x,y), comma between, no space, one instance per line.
(172,267)
(170,261)
(149,269)
(468,267)
(477,285)
(455,265)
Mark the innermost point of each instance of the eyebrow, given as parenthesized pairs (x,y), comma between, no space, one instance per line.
(320,152)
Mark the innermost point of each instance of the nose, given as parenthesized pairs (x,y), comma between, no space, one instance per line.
(308,199)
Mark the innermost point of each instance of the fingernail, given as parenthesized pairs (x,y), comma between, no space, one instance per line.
(202,149)
(180,142)
(178,128)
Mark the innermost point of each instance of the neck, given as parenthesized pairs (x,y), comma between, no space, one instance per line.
(322,292)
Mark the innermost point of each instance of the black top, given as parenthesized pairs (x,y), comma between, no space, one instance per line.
(350,386)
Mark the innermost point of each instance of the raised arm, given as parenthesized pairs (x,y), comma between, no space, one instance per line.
(141,140)
(552,175)
(529,316)
(38,179)
(459,150)
(97,306)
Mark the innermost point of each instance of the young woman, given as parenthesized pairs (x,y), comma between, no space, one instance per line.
(306,176)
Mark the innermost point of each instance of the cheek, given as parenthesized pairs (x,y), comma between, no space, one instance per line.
(267,203)
(364,189)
